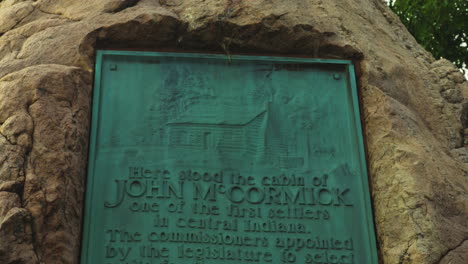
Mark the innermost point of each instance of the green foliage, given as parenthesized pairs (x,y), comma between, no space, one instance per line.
(441,26)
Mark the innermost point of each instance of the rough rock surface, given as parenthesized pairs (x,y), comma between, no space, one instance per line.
(414,109)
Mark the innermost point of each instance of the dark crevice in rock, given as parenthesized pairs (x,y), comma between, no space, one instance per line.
(464,115)
(7,139)
(115,7)
(34,241)
(25,167)
(451,249)
(405,256)
(21,20)
(217,36)
(59,15)
(170,2)
(464,121)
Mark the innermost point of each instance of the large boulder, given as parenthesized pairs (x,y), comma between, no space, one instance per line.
(414,109)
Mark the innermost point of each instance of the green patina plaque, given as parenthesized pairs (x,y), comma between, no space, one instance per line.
(209,159)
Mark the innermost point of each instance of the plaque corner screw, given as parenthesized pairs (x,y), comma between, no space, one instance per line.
(113,67)
(336,76)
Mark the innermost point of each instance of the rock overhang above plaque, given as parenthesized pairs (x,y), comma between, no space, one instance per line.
(204,158)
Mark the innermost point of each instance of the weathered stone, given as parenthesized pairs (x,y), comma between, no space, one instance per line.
(12,15)
(8,3)
(8,200)
(462,153)
(453,96)
(457,77)
(16,238)
(464,89)
(17,125)
(118,5)
(12,159)
(413,110)
(12,186)
(456,255)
